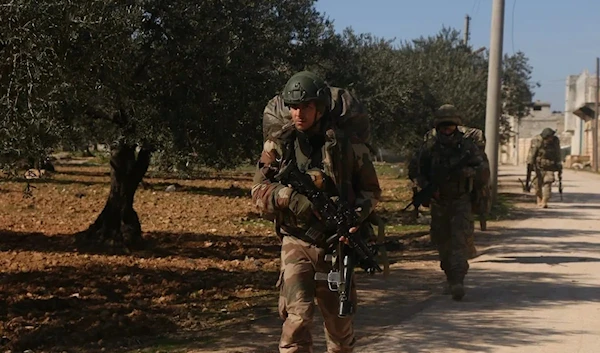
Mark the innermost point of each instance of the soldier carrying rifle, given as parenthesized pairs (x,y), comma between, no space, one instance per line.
(544,159)
(452,172)
(312,129)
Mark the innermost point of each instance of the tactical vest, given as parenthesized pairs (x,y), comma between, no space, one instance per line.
(325,158)
(346,123)
(443,158)
(335,158)
(548,154)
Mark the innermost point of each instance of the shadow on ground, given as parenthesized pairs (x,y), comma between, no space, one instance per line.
(485,314)
(94,306)
(391,304)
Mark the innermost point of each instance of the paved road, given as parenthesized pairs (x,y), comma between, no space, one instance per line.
(534,288)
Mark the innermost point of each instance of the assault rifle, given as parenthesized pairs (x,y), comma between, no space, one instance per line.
(439,176)
(337,218)
(527,184)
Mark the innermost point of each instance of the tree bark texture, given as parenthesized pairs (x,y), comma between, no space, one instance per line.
(118,225)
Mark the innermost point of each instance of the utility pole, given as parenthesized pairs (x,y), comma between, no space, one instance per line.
(492,112)
(466,33)
(595,121)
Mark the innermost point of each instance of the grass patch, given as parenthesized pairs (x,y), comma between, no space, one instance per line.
(391,170)
(502,208)
(407,228)
(255,222)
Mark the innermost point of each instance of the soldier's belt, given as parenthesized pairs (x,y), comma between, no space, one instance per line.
(312,235)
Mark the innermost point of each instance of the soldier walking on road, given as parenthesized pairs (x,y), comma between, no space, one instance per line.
(455,165)
(544,159)
(481,194)
(327,129)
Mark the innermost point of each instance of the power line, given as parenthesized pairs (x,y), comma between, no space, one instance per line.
(555,80)
(512,25)
(475,7)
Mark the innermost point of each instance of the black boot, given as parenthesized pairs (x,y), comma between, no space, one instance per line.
(457,290)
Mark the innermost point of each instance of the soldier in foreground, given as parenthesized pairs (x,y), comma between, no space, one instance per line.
(544,159)
(450,168)
(322,130)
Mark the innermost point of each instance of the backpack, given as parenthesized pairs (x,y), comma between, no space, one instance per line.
(348,115)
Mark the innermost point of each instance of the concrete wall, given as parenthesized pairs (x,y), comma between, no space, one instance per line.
(573,123)
(579,101)
(523,150)
(570,92)
(540,117)
(508,152)
(585,85)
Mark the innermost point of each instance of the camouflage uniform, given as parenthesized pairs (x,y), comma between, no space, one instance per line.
(479,193)
(545,157)
(322,149)
(451,209)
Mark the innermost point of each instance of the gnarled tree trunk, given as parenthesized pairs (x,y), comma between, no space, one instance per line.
(118,226)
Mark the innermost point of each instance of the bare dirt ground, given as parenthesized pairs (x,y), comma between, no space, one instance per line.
(387,306)
(208,269)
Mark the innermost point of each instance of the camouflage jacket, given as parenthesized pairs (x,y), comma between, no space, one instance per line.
(476,135)
(272,198)
(434,156)
(545,155)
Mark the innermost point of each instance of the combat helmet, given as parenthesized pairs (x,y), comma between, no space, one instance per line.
(547,132)
(304,87)
(447,113)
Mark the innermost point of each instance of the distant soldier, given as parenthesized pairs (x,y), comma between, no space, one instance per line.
(544,159)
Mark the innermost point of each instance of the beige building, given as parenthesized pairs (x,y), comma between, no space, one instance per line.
(540,117)
(579,114)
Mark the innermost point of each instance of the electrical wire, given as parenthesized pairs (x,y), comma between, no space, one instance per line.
(512,30)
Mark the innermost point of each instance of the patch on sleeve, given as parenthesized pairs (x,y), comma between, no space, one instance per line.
(283,197)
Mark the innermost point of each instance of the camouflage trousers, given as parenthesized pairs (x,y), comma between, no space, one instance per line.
(452,229)
(470,241)
(298,291)
(543,184)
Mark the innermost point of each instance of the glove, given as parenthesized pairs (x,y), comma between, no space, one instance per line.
(300,206)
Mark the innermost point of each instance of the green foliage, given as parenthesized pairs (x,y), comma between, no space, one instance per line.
(403,85)
(517,91)
(191,78)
